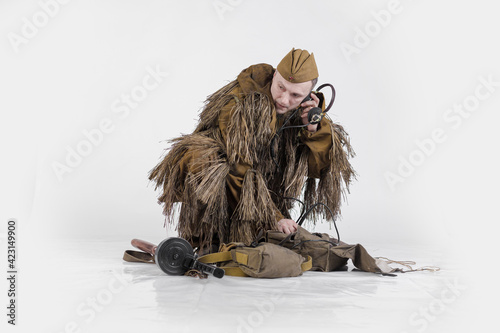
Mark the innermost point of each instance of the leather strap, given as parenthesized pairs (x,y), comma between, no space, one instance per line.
(138,256)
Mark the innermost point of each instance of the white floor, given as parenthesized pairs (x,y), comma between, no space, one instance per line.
(84,286)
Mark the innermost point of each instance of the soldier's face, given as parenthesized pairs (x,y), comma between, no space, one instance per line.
(286,95)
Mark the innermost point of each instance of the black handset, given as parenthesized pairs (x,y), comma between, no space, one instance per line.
(314,115)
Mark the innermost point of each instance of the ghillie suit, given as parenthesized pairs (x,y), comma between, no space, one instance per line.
(228,186)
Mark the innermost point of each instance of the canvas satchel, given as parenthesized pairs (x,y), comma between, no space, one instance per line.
(326,255)
(263,260)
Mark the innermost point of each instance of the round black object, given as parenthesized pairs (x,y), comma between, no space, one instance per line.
(171,255)
(314,116)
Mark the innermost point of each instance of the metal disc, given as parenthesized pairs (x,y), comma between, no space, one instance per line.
(171,254)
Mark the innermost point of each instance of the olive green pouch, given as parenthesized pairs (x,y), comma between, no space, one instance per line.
(327,253)
(263,260)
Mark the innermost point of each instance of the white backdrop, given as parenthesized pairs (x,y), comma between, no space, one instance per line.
(92,90)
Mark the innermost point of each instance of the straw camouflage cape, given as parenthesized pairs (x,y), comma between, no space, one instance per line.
(224,177)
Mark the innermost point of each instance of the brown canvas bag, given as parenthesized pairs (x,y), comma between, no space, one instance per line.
(263,260)
(326,255)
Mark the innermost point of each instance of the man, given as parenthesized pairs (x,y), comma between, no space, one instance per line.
(234,179)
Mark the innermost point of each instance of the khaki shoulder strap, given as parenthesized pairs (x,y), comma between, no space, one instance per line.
(307,265)
(241,259)
(213,258)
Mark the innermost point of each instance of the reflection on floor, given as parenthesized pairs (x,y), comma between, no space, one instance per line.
(84,286)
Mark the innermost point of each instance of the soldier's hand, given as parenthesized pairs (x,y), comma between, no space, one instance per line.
(287,226)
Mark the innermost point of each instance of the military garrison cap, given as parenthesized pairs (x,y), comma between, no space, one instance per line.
(298,66)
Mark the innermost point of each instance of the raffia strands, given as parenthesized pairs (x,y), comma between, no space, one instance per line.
(207,181)
(255,210)
(289,156)
(197,152)
(247,207)
(214,103)
(204,205)
(248,131)
(296,170)
(335,181)
(210,190)
(167,175)
(216,216)
(263,132)
(188,214)
(311,197)
(265,206)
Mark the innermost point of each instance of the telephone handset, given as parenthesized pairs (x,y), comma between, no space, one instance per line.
(316,114)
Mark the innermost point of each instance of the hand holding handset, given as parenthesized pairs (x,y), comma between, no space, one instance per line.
(315,115)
